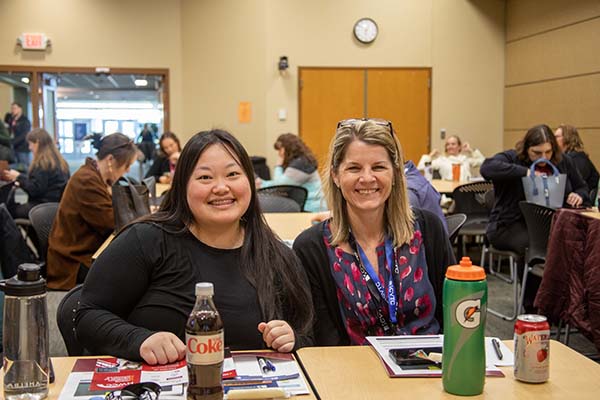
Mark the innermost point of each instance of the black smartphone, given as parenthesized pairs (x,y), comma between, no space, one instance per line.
(414,357)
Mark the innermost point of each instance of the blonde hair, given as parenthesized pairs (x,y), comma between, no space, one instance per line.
(47,156)
(571,139)
(399,219)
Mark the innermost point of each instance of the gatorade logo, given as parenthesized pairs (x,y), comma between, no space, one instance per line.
(468,313)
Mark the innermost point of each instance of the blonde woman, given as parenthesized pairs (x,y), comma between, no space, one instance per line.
(571,144)
(376,267)
(47,177)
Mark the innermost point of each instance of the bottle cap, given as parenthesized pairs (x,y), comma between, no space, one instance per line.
(27,282)
(204,289)
(465,271)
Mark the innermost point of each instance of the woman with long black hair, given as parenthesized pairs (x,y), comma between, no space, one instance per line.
(140,291)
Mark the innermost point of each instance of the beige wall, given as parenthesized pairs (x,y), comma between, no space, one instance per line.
(91,33)
(463,41)
(553,68)
(226,51)
(6,98)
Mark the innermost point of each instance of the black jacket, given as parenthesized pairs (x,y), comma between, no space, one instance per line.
(20,130)
(505,170)
(44,186)
(329,328)
(586,168)
(159,167)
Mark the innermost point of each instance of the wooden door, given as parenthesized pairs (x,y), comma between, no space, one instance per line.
(402,96)
(328,95)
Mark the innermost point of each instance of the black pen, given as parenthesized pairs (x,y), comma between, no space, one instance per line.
(496,346)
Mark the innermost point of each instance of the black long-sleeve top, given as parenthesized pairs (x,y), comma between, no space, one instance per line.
(310,247)
(586,168)
(20,128)
(159,167)
(144,282)
(44,185)
(505,170)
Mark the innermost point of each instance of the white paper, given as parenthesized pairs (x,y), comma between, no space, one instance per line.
(383,345)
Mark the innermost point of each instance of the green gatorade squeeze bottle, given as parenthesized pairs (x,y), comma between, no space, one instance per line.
(465,309)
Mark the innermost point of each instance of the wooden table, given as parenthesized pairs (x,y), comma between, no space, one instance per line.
(446,187)
(288,225)
(64,365)
(592,214)
(161,188)
(357,373)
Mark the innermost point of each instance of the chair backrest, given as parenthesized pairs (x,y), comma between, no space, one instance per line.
(296,193)
(150,183)
(65,318)
(41,217)
(7,191)
(277,204)
(539,222)
(469,199)
(455,222)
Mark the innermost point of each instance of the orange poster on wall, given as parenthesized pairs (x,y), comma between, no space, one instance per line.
(245,111)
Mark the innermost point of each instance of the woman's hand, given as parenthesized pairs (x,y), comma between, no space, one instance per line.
(174,157)
(278,335)
(162,348)
(574,200)
(165,178)
(434,153)
(10,175)
(258,182)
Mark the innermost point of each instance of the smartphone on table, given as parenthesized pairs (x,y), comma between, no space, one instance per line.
(416,357)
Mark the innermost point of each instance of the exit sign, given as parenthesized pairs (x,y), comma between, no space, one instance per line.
(33,41)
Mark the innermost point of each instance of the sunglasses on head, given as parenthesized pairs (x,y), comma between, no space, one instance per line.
(136,391)
(377,121)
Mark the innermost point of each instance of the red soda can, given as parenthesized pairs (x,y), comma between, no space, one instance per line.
(532,348)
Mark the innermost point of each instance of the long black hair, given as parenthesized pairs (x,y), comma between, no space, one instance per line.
(267,263)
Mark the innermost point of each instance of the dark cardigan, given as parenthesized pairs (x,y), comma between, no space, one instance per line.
(329,328)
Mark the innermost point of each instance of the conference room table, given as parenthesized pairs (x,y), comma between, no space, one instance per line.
(64,365)
(356,372)
(446,187)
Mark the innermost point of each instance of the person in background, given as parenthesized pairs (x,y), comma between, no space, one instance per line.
(506,229)
(163,167)
(456,153)
(421,194)
(373,245)
(297,165)
(570,143)
(146,143)
(19,126)
(209,229)
(47,177)
(6,152)
(85,216)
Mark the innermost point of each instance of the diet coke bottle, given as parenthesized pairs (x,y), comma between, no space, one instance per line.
(205,349)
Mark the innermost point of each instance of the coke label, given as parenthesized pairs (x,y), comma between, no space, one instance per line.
(205,349)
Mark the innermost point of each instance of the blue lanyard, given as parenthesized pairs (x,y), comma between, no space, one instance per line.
(392,263)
